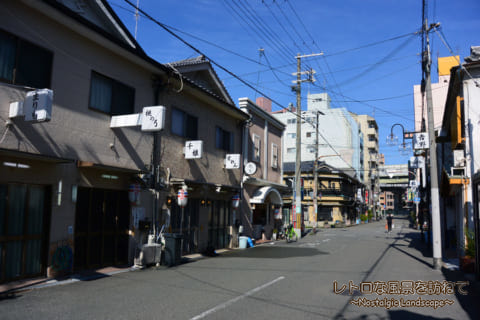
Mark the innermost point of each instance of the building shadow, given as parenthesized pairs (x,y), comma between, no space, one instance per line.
(470,301)
(276,252)
(404,314)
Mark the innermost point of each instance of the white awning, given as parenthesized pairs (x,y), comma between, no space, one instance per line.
(262,193)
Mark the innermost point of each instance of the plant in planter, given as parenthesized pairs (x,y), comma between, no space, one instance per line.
(363,218)
(274,234)
(468,261)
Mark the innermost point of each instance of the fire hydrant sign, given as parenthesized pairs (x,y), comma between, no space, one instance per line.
(38,105)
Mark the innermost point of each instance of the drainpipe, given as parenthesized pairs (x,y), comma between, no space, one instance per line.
(155,161)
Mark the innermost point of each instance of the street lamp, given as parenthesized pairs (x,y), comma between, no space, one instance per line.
(392,140)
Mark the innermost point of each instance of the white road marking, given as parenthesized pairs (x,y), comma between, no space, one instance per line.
(231,301)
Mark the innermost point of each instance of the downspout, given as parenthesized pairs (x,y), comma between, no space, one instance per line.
(155,165)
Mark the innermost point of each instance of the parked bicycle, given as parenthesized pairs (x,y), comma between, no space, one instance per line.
(290,234)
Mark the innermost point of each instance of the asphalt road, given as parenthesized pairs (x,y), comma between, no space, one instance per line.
(271,281)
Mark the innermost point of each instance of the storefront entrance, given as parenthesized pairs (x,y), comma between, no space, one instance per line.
(219,218)
(101,228)
(24,225)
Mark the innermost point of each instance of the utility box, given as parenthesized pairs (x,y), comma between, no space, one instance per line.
(173,249)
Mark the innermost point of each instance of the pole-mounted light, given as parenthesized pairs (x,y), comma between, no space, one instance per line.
(392,140)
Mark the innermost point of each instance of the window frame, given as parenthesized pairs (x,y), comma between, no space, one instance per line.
(44,67)
(256,154)
(117,88)
(226,142)
(187,124)
(274,159)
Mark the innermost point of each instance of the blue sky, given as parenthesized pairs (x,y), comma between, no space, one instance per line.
(368,79)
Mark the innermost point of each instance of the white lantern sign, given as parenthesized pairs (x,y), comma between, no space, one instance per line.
(182,197)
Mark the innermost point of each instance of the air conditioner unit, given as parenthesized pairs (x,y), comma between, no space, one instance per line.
(458,158)
(149,254)
(455,171)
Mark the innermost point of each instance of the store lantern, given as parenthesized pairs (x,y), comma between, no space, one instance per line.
(236,201)
(182,197)
(134,193)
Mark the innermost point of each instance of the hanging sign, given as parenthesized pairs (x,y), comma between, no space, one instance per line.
(420,141)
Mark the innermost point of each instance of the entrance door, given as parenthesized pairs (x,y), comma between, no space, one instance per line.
(101,228)
(190,225)
(218,220)
(24,223)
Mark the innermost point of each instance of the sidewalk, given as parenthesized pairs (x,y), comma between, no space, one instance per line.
(13,287)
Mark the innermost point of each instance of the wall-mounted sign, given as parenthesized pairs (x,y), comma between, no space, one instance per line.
(153,118)
(250,168)
(232,161)
(193,149)
(420,141)
(38,105)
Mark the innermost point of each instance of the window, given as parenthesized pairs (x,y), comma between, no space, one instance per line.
(291,121)
(274,156)
(291,135)
(291,150)
(24,63)
(110,96)
(224,139)
(256,148)
(184,125)
(309,134)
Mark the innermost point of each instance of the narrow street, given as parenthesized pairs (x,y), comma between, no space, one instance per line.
(274,280)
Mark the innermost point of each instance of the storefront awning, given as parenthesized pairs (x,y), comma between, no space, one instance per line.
(262,193)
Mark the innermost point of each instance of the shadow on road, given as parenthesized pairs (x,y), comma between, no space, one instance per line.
(276,252)
(403,314)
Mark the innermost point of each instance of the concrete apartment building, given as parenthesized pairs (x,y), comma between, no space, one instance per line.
(369,128)
(339,140)
(77,194)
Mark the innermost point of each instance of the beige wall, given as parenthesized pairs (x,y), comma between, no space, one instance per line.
(76,132)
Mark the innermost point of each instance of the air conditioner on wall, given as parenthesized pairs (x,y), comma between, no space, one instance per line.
(458,158)
(456,171)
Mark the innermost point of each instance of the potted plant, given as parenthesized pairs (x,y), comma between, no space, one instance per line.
(274,234)
(363,218)
(467,262)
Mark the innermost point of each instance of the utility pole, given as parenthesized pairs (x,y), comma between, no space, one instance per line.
(434,193)
(315,178)
(297,221)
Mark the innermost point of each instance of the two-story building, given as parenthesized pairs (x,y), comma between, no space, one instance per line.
(81,187)
(263,180)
